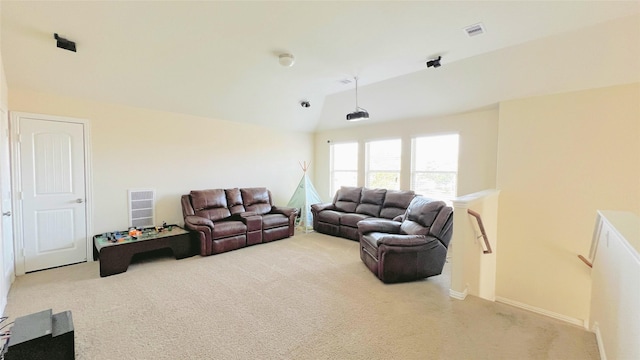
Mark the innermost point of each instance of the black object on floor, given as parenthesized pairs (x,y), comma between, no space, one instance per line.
(42,336)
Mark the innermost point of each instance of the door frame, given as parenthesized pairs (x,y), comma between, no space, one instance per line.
(16,181)
(7,270)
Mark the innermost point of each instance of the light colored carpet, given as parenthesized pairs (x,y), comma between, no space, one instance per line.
(307,297)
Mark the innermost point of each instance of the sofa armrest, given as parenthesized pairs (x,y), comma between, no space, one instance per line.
(286,211)
(251,219)
(378,225)
(405,240)
(202,229)
(243,216)
(290,212)
(194,220)
(316,208)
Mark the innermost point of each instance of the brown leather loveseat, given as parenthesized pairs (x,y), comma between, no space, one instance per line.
(229,219)
(413,248)
(352,204)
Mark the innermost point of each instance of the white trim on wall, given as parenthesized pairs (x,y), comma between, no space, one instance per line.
(570,320)
(596,330)
(459,295)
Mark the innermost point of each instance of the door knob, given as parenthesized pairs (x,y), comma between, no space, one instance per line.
(8,213)
(79,201)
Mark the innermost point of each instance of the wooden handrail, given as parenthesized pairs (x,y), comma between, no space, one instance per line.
(484,234)
(584,260)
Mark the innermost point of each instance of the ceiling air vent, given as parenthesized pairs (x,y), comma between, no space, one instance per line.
(474,30)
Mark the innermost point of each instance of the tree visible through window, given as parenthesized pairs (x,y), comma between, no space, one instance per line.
(344,166)
(434,171)
(383,164)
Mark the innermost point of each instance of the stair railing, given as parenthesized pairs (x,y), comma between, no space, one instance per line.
(483,234)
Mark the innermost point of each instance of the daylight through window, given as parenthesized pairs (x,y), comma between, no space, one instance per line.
(344,166)
(434,170)
(383,164)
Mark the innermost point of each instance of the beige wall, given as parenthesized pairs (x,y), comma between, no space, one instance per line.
(173,154)
(477,158)
(560,158)
(4,91)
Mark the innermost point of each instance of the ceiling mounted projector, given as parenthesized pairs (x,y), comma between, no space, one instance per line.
(360,113)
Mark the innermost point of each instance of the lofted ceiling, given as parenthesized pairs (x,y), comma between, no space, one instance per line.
(219,59)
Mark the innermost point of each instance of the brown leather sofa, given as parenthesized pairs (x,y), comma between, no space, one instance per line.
(411,249)
(352,204)
(229,219)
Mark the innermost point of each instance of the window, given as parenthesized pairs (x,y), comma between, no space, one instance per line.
(383,164)
(344,166)
(434,169)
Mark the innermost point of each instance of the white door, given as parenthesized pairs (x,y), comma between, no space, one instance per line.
(5,205)
(53,192)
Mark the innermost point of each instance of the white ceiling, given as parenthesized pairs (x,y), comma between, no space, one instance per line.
(220,59)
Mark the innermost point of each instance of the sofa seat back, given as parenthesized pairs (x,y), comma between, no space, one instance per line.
(256,200)
(347,199)
(396,203)
(234,201)
(210,204)
(420,216)
(371,201)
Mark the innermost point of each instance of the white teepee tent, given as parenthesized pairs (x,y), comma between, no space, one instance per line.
(305,196)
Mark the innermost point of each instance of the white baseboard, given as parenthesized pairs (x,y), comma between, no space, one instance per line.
(458,295)
(596,329)
(544,312)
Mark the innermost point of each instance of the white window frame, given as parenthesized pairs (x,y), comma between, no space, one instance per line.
(333,171)
(369,170)
(415,173)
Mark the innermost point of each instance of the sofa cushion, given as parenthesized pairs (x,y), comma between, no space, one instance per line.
(330,216)
(396,203)
(256,200)
(234,200)
(347,198)
(210,204)
(352,219)
(223,229)
(371,202)
(270,221)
